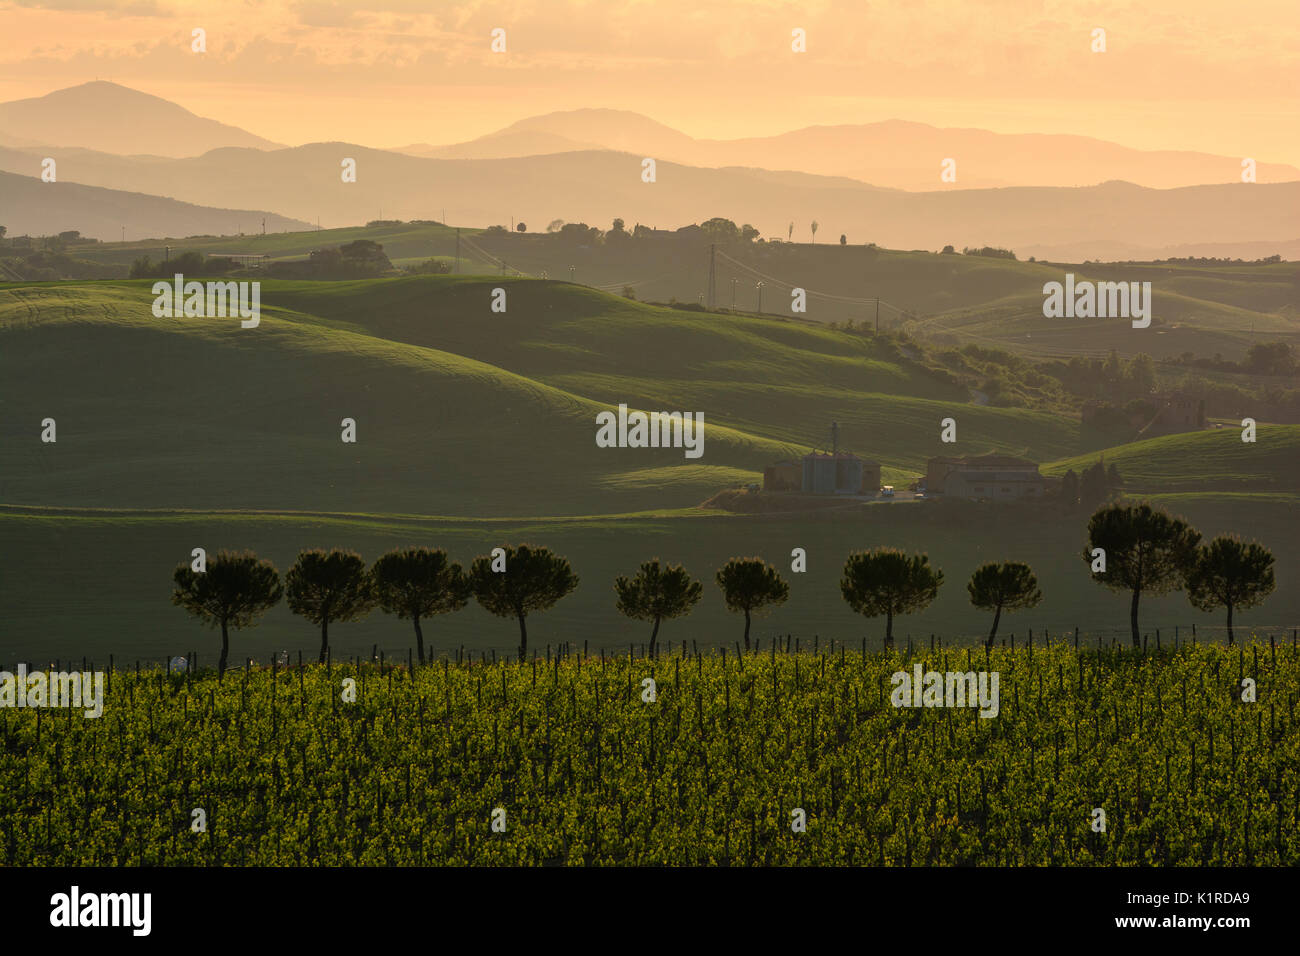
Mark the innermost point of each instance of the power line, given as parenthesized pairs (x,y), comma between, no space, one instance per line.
(713,249)
(619,285)
(475,247)
(856,300)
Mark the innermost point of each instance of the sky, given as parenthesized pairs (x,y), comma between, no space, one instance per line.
(1188,74)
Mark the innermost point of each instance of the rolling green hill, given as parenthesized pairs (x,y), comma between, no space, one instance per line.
(951,299)
(477,428)
(403,241)
(1206,461)
(1180,324)
(459,410)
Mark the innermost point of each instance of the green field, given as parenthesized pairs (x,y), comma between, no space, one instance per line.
(1206,461)
(407,240)
(476,429)
(459,410)
(97,583)
(580,767)
(1180,323)
(948,299)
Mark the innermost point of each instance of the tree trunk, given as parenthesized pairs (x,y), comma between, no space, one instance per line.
(1133,618)
(997,615)
(324,637)
(889,630)
(225,650)
(1229,625)
(746,628)
(523,639)
(419,637)
(654,634)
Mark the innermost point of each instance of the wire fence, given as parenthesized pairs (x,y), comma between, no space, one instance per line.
(1113,638)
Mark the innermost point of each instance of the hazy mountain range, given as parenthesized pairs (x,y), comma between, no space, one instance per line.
(116,119)
(110,118)
(32,207)
(894,153)
(586,165)
(304,183)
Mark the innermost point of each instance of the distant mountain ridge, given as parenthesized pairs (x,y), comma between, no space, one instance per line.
(900,154)
(893,153)
(36,208)
(112,118)
(596,186)
(870,183)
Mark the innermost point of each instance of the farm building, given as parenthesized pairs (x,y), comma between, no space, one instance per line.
(870,477)
(783,476)
(839,473)
(997,477)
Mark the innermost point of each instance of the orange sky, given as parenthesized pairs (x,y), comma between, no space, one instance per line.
(1187,74)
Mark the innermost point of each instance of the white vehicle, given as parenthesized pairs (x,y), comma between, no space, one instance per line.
(887,491)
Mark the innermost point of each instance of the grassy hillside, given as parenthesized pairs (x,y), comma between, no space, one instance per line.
(404,241)
(477,428)
(1180,323)
(952,299)
(459,410)
(1205,461)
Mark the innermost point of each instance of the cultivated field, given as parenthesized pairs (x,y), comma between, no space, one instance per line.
(581,767)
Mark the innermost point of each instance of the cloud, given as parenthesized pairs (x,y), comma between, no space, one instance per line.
(324,13)
(130,8)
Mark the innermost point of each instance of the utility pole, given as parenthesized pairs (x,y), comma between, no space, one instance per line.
(458,250)
(877,315)
(759,287)
(733,294)
(713,292)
